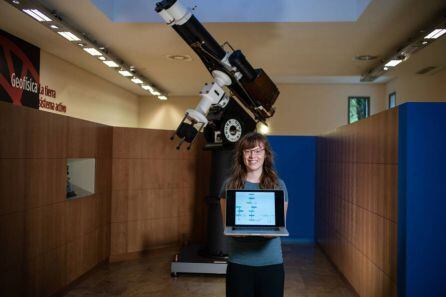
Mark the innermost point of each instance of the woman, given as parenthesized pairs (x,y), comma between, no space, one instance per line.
(255,264)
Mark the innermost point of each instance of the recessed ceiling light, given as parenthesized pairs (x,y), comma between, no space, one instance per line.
(111,64)
(162,97)
(92,51)
(102,58)
(137,80)
(386,68)
(54,27)
(435,34)
(125,73)
(16,2)
(37,14)
(393,63)
(81,44)
(155,93)
(365,57)
(179,57)
(70,36)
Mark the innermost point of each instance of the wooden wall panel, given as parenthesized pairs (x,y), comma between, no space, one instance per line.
(47,240)
(155,191)
(12,185)
(46,135)
(12,131)
(148,194)
(48,178)
(356,205)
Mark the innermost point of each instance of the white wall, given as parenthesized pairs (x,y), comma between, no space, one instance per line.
(312,109)
(158,114)
(304,109)
(86,95)
(82,173)
(301,109)
(419,87)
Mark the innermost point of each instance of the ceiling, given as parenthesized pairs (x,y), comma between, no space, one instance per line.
(240,11)
(309,51)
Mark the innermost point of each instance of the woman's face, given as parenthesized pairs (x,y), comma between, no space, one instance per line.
(254,157)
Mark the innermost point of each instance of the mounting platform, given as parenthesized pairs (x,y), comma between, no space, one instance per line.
(190,260)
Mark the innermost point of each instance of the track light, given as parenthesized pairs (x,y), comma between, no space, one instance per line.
(69,36)
(125,73)
(393,63)
(37,14)
(435,34)
(136,80)
(111,64)
(416,42)
(92,51)
(42,14)
(146,87)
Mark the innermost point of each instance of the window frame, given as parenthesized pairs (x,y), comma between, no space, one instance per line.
(389,100)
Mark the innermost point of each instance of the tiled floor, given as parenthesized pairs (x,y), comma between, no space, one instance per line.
(308,273)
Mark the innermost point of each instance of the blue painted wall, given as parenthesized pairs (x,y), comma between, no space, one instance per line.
(422,200)
(295,158)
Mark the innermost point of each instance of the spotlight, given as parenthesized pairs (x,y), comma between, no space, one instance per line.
(37,14)
(92,51)
(69,36)
(125,73)
(111,64)
(137,80)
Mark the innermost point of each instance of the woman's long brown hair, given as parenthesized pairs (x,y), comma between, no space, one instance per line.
(269,179)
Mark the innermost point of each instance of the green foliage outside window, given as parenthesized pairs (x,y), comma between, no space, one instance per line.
(358,108)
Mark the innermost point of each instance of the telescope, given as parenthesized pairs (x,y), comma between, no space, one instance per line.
(239,95)
(231,105)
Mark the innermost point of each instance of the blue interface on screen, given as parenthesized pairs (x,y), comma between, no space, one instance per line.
(255,208)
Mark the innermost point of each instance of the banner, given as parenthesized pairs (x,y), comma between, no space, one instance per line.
(19,71)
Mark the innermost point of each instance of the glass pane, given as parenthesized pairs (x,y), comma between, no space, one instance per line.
(358,108)
(392,100)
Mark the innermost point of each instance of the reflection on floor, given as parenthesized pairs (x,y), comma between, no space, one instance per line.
(308,274)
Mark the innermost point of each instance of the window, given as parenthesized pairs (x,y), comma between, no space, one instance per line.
(358,108)
(392,100)
(80,177)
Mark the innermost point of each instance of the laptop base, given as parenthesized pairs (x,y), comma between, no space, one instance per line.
(189,261)
(281,232)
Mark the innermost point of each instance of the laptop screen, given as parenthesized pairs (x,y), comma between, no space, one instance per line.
(255,208)
(259,208)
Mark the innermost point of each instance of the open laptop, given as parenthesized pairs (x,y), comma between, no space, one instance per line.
(255,213)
